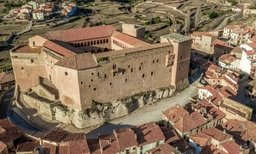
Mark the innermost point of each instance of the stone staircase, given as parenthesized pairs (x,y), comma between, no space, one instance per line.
(49,86)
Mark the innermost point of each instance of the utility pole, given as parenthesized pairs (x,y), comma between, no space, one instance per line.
(187,22)
(198,16)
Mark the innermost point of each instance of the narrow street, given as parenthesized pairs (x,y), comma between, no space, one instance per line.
(224,22)
(5,104)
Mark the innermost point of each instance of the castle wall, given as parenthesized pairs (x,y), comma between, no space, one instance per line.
(125,76)
(68,85)
(43,108)
(50,59)
(27,67)
(180,68)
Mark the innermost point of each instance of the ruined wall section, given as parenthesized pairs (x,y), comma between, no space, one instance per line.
(125,75)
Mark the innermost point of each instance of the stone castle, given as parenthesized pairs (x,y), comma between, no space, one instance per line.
(77,67)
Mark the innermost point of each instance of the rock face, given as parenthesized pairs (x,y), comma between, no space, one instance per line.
(100,113)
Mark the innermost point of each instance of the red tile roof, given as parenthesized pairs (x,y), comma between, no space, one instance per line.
(170,135)
(253,40)
(77,143)
(55,136)
(78,62)
(252,45)
(171,113)
(148,133)
(3,146)
(221,44)
(241,130)
(230,27)
(162,149)
(232,147)
(212,149)
(190,122)
(108,144)
(61,49)
(94,146)
(250,52)
(126,138)
(27,146)
(227,58)
(129,39)
(210,109)
(37,11)
(78,34)
(200,139)
(237,50)
(28,49)
(49,148)
(216,134)
(8,126)
(214,67)
(5,78)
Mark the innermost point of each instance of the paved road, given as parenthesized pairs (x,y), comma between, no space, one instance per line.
(224,22)
(5,104)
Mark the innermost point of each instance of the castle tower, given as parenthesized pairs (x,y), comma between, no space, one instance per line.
(137,31)
(182,50)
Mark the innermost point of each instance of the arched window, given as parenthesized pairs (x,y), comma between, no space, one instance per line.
(98,42)
(106,49)
(88,43)
(99,50)
(106,40)
(91,42)
(94,42)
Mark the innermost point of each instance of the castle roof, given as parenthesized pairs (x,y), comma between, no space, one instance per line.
(61,48)
(129,39)
(78,62)
(77,34)
(131,50)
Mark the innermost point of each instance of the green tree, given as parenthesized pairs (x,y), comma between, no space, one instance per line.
(222,12)
(213,15)
(155,20)
(167,22)
(229,21)
(147,36)
(234,3)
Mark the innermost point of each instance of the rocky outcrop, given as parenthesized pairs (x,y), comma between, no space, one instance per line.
(100,113)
